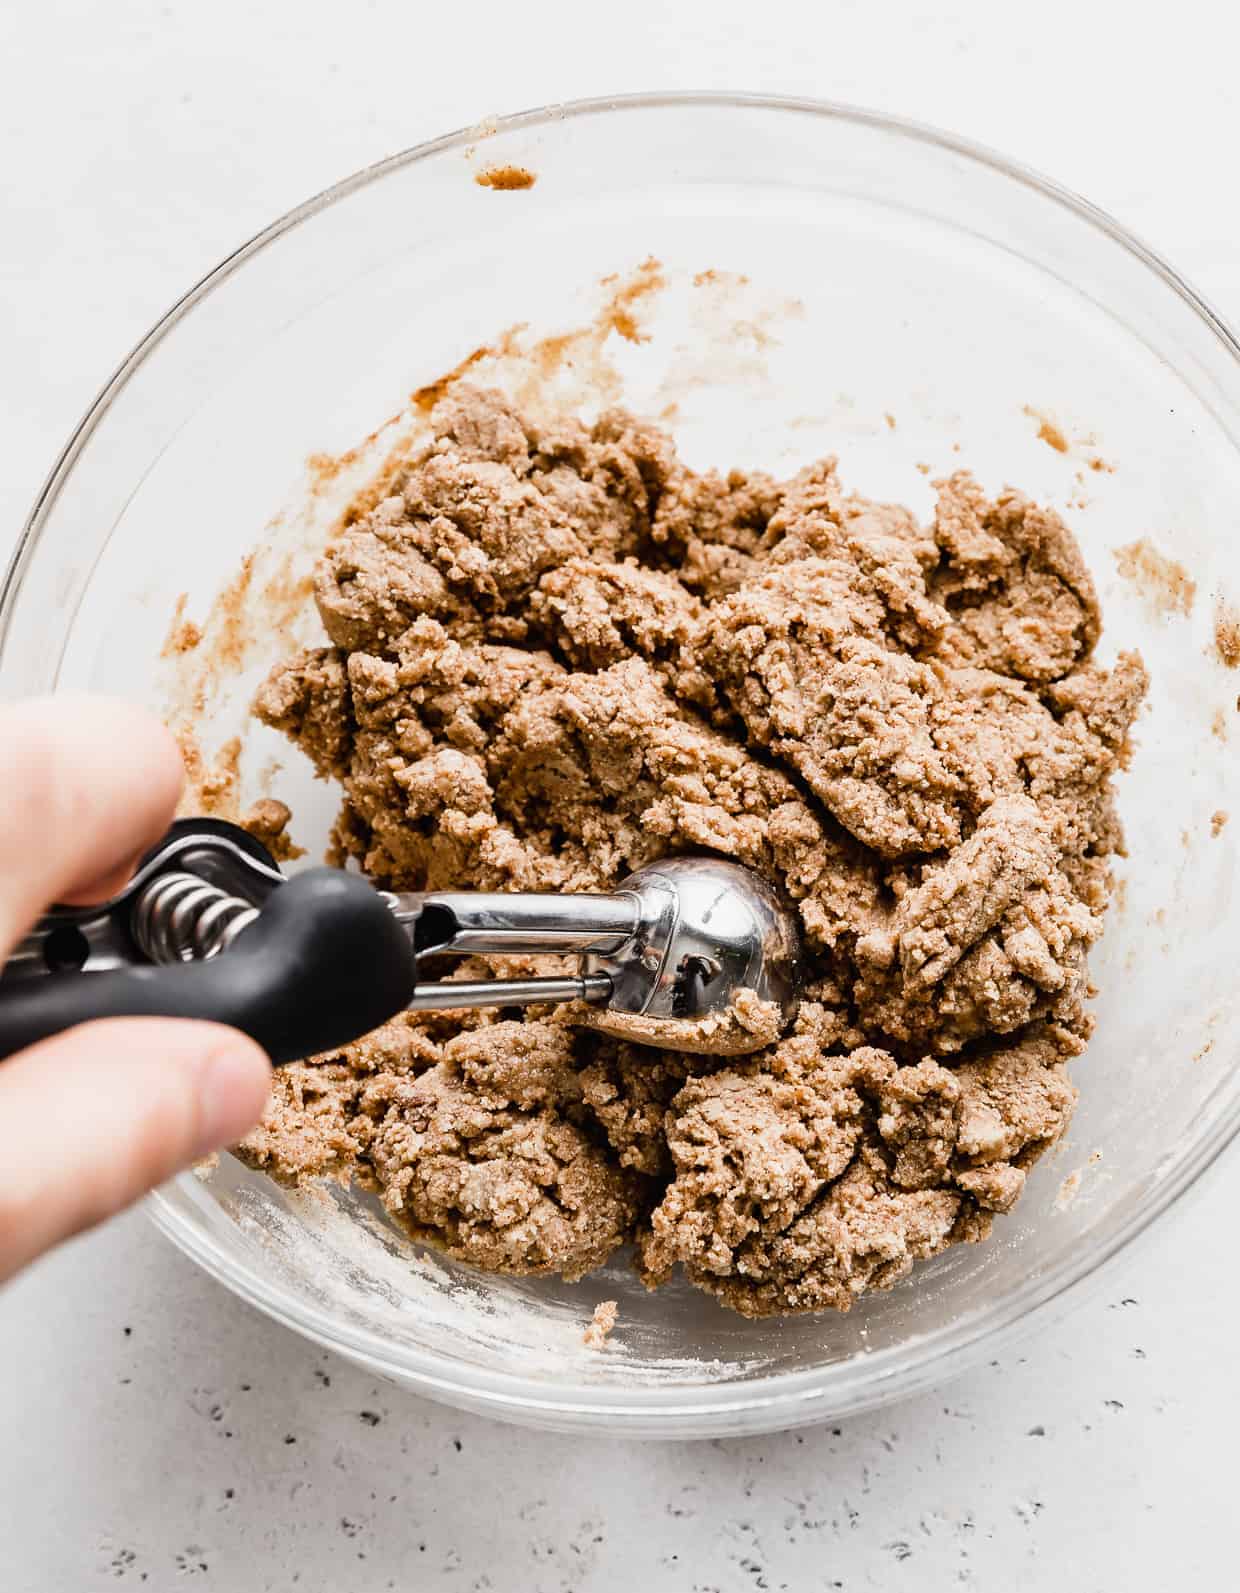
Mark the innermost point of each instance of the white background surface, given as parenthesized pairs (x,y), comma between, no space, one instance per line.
(153,1431)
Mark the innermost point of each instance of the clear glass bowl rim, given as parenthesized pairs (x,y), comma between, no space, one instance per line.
(761,1404)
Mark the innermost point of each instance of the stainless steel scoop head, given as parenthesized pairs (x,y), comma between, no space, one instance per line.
(678,940)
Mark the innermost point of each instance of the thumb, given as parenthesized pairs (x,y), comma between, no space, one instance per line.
(92,1119)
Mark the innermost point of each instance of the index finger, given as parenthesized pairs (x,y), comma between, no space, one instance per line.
(92,782)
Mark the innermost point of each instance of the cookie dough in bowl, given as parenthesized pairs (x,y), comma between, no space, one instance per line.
(761,285)
(554,654)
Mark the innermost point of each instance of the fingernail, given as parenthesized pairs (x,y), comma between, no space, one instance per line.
(234,1082)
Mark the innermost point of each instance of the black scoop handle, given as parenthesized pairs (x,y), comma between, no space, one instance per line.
(323,963)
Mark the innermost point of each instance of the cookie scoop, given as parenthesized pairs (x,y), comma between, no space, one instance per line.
(209,927)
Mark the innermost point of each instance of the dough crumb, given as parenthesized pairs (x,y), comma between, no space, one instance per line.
(505,178)
(210,787)
(1217,821)
(267,821)
(183,634)
(1068,1190)
(601,1325)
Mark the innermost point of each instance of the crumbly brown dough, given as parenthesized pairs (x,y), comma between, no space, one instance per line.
(556,654)
(267,820)
(602,1324)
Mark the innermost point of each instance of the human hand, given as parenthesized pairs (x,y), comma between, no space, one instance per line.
(94,1117)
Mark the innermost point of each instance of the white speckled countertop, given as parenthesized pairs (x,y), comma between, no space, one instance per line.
(159,1433)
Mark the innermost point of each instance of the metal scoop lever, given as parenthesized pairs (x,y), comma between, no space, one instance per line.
(481,923)
(452,995)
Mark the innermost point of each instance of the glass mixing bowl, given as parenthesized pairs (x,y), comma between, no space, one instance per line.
(832,281)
